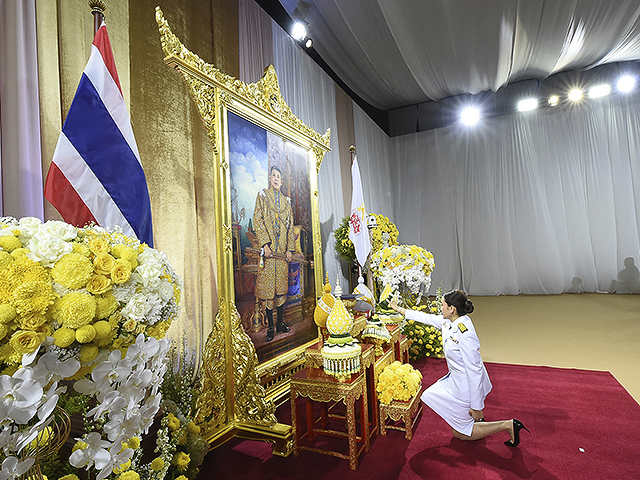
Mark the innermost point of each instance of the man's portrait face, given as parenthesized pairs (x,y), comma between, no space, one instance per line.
(275,179)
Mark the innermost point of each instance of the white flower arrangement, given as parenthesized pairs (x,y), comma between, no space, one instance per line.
(401,266)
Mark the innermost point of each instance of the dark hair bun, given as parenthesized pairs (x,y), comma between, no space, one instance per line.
(468,306)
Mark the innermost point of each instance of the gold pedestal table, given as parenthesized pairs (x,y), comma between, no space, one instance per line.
(314,385)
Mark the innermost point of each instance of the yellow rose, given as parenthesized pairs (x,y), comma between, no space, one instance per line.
(103,264)
(99,245)
(130,325)
(85,334)
(63,337)
(98,284)
(121,272)
(32,321)
(26,341)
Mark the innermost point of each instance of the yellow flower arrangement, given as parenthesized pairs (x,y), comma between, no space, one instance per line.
(385,233)
(398,381)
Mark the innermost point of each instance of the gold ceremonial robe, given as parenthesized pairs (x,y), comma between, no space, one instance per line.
(273,224)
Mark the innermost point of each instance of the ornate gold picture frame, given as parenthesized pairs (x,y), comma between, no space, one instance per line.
(244,373)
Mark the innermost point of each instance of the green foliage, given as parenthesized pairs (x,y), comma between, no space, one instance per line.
(344,246)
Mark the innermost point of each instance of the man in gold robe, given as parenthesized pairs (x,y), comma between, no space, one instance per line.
(273,224)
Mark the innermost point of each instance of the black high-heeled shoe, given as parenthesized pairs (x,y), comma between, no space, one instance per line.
(517,426)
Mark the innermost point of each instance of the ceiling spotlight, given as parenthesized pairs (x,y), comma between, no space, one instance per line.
(575,95)
(527,104)
(626,83)
(470,116)
(309,43)
(600,91)
(299,31)
(554,100)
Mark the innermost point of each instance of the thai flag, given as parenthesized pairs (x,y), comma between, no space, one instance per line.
(95,173)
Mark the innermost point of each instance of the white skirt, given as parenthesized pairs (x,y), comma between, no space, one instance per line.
(453,410)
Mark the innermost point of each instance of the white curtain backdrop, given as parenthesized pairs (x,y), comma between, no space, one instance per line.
(542,203)
(20,156)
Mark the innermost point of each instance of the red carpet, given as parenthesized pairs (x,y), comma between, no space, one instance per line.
(584,425)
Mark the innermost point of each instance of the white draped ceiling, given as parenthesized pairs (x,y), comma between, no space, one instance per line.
(403,52)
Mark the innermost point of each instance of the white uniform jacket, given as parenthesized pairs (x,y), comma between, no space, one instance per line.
(468,379)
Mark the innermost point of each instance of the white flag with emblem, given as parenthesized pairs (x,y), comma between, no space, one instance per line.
(358,232)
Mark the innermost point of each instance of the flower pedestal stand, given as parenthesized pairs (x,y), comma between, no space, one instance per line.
(408,412)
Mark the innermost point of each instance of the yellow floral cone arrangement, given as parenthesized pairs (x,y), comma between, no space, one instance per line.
(398,381)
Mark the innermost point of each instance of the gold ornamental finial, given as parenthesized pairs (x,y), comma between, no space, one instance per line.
(97,6)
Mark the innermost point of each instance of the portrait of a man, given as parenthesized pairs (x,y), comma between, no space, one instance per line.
(272,227)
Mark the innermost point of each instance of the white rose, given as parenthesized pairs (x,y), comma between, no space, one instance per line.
(165,291)
(136,308)
(47,248)
(61,230)
(28,227)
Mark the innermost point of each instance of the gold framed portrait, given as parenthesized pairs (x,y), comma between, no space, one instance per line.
(269,256)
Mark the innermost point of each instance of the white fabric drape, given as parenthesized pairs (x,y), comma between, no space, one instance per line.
(310,94)
(20,154)
(255,39)
(534,204)
(405,52)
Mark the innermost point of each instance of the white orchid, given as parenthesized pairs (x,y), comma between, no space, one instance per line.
(14,468)
(95,453)
(19,398)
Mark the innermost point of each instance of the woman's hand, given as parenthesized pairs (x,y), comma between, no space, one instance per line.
(478,415)
(394,305)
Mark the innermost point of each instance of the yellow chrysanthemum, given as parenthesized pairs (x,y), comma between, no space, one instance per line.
(181,477)
(157,464)
(98,284)
(33,297)
(99,245)
(26,341)
(73,270)
(7,313)
(106,305)
(63,337)
(75,309)
(121,271)
(5,259)
(103,264)
(82,249)
(181,461)
(129,475)
(9,355)
(32,321)
(85,334)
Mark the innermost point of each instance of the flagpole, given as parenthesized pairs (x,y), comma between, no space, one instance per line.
(97,9)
